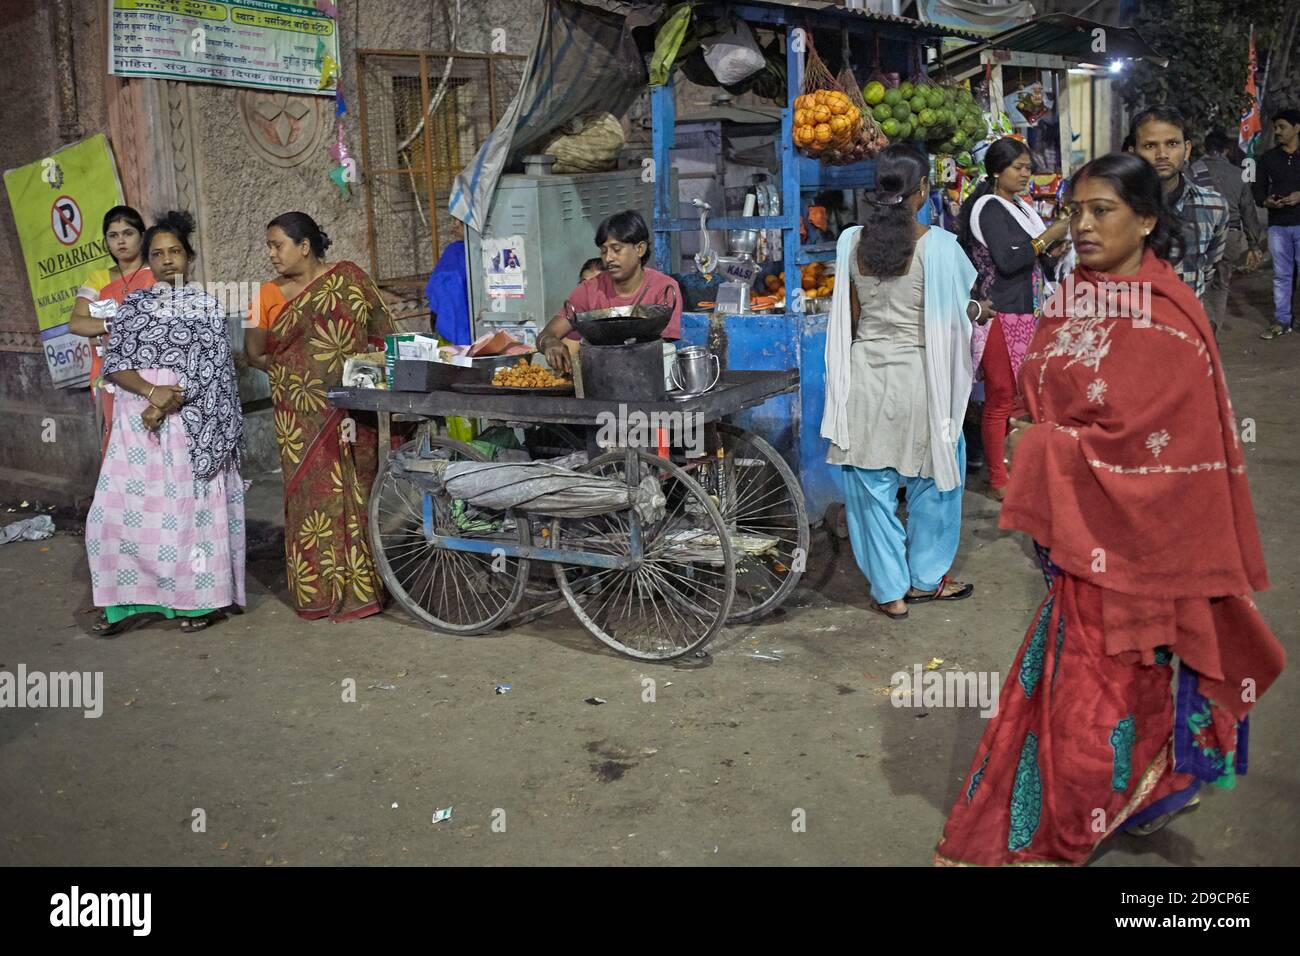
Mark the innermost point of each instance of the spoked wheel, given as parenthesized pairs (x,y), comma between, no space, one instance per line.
(679,596)
(454,591)
(762,505)
(544,441)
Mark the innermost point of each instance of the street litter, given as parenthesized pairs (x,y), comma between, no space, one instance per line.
(440,815)
(394,806)
(504,688)
(382,687)
(595,700)
(933,663)
(29,529)
(763,657)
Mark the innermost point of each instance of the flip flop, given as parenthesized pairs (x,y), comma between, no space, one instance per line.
(965,591)
(892,615)
(106,631)
(1159,823)
(192,625)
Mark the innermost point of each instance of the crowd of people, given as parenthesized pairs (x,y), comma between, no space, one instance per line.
(1131,485)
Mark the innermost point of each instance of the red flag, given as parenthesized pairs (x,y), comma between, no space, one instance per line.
(1250,120)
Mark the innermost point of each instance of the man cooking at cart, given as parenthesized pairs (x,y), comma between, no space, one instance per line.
(624,243)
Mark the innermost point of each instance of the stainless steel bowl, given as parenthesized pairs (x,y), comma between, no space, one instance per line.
(742,242)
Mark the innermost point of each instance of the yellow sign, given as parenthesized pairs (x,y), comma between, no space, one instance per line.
(58,204)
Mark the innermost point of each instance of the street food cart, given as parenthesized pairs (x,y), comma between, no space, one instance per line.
(697,541)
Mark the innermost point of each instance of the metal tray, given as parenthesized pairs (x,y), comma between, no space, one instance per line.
(487,388)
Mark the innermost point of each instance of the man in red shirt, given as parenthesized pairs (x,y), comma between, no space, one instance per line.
(624,243)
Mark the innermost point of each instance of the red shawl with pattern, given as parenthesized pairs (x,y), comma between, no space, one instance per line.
(1135,479)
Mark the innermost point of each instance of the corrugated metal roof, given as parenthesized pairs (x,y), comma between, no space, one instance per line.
(1059,34)
(823,8)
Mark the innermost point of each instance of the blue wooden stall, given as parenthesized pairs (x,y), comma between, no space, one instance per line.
(790,338)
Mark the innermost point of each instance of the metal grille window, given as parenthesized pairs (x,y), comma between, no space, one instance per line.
(409,167)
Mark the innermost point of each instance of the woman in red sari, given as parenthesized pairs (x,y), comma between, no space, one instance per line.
(1133,485)
(306,323)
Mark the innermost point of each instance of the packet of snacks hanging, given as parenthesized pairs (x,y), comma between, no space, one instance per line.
(825,121)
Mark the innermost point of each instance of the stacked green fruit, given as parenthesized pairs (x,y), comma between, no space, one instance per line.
(946,119)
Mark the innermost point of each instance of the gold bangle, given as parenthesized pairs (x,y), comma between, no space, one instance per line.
(149,398)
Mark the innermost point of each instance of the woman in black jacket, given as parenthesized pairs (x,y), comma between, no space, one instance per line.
(1009,245)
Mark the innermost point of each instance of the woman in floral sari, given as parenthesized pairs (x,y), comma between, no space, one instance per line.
(1133,485)
(305,325)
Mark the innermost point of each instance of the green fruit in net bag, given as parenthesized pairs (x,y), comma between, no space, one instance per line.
(882,112)
(890,127)
(903,113)
(873,92)
(893,97)
(926,117)
(905,89)
(918,103)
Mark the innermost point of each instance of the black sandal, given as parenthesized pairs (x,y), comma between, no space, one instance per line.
(192,625)
(103,630)
(892,615)
(963,592)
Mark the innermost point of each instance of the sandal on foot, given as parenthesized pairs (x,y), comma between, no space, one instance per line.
(191,625)
(1160,822)
(105,630)
(892,615)
(962,592)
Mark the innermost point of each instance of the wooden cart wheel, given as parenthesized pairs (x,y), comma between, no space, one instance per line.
(761,500)
(679,596)
(453,591)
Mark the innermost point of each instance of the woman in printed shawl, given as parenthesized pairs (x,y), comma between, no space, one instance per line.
(1133,485)
(165,534)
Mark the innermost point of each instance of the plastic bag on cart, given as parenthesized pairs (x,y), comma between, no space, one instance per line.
(533,487)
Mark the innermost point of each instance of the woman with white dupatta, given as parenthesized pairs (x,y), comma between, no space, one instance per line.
(898,378)
(1013,253)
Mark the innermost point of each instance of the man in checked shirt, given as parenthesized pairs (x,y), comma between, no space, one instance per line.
(1160,136)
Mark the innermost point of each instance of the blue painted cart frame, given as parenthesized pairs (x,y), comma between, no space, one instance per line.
(792,338)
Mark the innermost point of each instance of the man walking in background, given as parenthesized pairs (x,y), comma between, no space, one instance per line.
(1160,137)
(1277,188)
(1242,248)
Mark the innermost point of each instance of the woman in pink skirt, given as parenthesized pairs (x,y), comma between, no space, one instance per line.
(1011,250)
(165,534)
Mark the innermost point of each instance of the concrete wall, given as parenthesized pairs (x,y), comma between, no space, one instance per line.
(193,146)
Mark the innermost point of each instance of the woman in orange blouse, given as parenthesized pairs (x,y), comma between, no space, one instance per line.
(305,324)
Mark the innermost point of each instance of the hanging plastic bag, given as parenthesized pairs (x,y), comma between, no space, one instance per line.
(734,56)
(667,43)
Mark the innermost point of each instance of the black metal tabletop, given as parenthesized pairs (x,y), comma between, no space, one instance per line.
(736,390)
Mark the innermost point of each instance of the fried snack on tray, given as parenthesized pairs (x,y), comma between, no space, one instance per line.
(524,375)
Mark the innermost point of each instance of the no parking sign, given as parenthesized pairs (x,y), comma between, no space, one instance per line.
(58,203)
(65,220)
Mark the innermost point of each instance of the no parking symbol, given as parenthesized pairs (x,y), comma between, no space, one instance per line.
(65,220)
